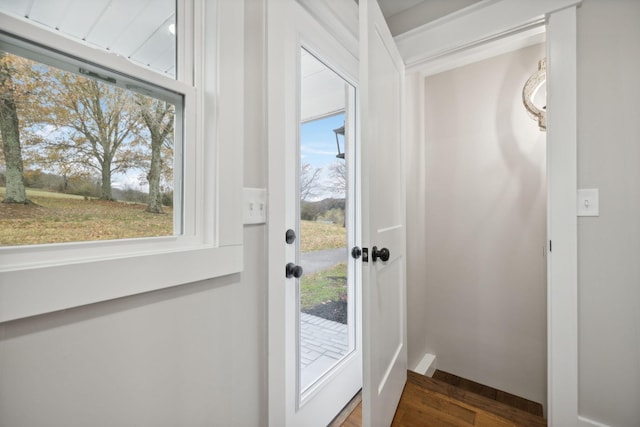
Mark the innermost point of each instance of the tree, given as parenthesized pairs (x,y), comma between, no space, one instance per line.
(338,174)
(10,133)
(309,186)
(99,123)
(158,117)
(338,184)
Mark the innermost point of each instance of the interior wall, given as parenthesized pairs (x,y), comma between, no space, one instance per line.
(416,220)
(609,245)
(481,283)
(193,355)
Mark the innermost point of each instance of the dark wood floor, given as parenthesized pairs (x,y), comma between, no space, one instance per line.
(489,392)
(428,402)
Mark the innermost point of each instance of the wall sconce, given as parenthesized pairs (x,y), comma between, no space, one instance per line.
(529,91)
(339,131)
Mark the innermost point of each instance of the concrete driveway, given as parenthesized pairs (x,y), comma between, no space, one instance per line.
(312,262)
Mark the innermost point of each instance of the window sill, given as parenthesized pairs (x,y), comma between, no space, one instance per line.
(34,291)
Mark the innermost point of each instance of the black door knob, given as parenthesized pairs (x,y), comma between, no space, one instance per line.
(382,254)
(292,270)
(356,252)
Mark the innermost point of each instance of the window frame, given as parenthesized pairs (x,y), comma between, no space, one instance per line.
(37,279)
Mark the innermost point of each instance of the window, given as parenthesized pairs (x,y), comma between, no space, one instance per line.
(180,98)
(96,149)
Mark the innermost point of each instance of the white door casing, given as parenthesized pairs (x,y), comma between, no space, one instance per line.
(290,27)
(383,219)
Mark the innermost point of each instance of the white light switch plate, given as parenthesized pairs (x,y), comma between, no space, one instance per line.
(588,202)
(254,209)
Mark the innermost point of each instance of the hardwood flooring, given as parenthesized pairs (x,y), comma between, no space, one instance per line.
(489,392)
(428,402)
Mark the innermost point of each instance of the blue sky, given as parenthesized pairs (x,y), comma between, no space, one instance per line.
(318,141)
(318,145)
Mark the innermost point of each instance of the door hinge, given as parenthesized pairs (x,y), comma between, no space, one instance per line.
(550,245)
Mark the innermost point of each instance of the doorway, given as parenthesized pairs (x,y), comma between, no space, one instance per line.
(484,306)
(432,47)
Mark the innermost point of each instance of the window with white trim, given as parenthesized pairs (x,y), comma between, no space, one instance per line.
(96,92)
(99,151)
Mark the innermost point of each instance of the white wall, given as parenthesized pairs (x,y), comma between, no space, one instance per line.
(609,245)
(479,290)
(193,355)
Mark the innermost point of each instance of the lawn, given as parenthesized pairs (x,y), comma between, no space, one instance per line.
(316,236)
(57,218)
(323,287)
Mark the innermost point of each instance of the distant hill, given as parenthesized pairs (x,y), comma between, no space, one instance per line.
(310,211)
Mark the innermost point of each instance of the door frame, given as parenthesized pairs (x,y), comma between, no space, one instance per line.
(334,26)
(461,33)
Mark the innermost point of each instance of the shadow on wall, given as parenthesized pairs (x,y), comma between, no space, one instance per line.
(518,148)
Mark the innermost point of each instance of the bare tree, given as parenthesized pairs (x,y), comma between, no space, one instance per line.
(338,174)
(102,122)
(10,133)
(309,185)
(158,117)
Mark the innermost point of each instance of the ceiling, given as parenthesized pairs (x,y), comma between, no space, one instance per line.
(322,90)
(393,7)
(404,15)
(137,29)
(143,30)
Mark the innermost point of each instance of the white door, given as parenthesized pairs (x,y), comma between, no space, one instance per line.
(315,347)
(384,286)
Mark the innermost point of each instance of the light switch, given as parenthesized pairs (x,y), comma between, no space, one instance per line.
(254,209)
(588,202)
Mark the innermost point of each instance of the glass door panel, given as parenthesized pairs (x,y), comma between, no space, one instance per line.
(326,222)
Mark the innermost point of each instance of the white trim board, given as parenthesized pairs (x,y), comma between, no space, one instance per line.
(482,22)
(427,365)
(493,21)
(586,422)
(488,49)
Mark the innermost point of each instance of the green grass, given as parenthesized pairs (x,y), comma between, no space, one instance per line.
(327,285)
(316,236)
(58,218)
(323,286)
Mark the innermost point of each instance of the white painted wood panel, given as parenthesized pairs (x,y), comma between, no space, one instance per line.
(384,283)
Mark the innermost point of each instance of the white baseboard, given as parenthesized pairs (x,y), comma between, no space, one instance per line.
(586,422)
(427,365)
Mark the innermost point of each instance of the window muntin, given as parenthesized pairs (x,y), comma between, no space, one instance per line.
(93,170)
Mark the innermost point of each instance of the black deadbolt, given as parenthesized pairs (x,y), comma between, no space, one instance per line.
(290,236)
